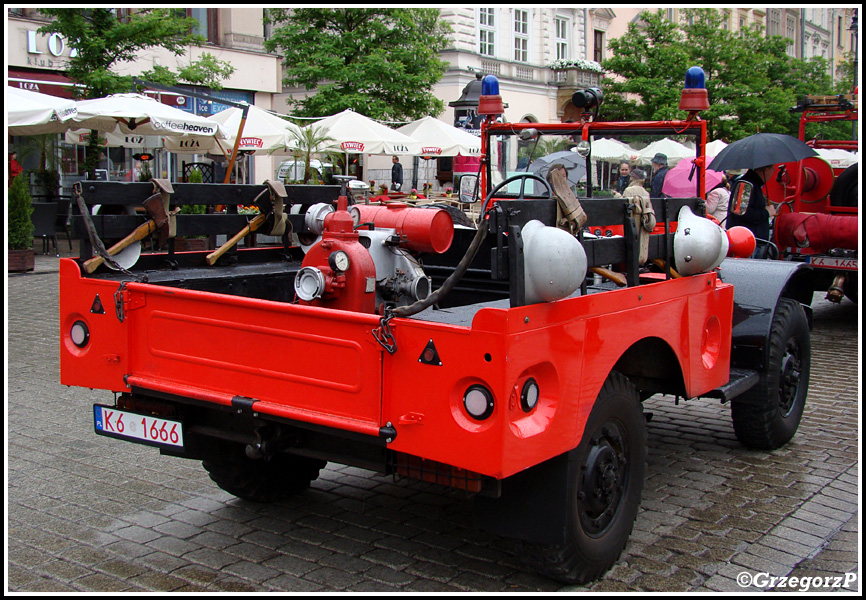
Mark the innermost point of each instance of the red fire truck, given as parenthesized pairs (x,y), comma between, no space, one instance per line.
(509,360)
(817,200)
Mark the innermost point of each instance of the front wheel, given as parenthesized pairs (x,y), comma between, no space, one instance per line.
(767,416)
(261,480)
(605,479)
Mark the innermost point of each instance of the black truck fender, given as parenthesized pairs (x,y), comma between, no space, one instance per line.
(758,285)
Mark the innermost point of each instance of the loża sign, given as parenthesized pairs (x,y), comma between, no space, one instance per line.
(49,51)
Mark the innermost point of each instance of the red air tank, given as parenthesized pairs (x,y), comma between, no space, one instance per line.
(420,229)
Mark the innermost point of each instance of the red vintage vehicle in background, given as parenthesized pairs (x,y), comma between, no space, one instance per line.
(817,220)
(519,379)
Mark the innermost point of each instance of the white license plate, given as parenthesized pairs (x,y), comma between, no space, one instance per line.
(145,429)
(829,262)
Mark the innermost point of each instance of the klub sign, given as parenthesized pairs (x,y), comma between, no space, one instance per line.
(49,52)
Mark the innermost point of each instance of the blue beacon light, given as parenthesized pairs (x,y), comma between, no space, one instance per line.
(490,102)
(695,78)
(694,96)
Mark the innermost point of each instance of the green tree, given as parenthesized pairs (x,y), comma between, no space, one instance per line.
(102,41)
(651,61)
(380,62)
(751,81)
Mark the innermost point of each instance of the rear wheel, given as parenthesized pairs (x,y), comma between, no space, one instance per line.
(606,473)
(261,480)
(767,416)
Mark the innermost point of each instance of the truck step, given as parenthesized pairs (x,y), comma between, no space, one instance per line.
(741,381)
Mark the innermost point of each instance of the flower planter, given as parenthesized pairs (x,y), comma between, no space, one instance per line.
(21,261)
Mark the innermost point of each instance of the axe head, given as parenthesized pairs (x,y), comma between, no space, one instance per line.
(157,209)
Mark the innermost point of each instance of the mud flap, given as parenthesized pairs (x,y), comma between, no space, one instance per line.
(533,504)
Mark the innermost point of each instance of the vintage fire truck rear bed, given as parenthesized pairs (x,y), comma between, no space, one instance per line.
(324,367)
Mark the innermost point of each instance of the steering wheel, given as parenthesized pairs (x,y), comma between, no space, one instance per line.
(523,177)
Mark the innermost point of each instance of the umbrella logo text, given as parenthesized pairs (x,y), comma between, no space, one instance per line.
(359,146)
(186,127)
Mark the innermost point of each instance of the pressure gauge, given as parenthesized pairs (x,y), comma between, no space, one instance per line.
(339,261)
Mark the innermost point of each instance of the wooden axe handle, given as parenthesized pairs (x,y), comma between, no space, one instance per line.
(617,278)
(253,225)
(661,265)
(141,232)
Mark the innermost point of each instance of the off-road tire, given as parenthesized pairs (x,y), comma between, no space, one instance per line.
(606,474)
(767,416)
(261,480)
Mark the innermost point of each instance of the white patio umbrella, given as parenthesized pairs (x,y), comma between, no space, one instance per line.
(610,150)
(263,133)
(136,113)
(838,158)
(438,138)
(670,148)
(354,133)
(441,139)
(32,113)
(715,147)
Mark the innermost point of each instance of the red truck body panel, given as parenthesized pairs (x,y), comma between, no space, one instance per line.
(324,367)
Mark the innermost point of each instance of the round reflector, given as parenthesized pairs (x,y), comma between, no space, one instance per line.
(529,395)
(478,401)
(79,333)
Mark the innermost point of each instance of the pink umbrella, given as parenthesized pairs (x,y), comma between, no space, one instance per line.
(682,180)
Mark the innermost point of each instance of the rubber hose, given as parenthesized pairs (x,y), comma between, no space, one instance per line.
(451,281)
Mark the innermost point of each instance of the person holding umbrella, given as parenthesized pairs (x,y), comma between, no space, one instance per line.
(757,215)
(759,153)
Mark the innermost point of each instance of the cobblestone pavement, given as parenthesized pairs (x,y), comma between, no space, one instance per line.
(87,513)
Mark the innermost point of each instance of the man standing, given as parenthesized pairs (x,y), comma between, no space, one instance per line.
(660,169)
(396,174)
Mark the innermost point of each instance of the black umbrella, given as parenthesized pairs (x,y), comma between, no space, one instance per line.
(761,150)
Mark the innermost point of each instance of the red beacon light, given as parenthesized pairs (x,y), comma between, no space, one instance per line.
(694,96)
(490,102)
